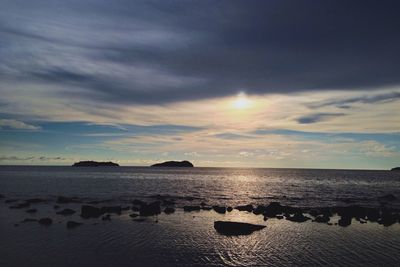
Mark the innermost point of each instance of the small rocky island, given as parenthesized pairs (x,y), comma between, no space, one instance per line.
(184,163)
(396,169)
(90,163)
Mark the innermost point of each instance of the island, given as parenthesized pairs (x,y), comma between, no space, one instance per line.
(184,163)
(90,163)
(396,169)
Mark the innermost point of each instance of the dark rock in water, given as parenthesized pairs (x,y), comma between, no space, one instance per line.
(184,163)
(236,228)
(45,221)
(322,219)
(90,212)
(219,209)
(298,217)
(169,210)
(260,209)
(66,212)
(279,217)
(388,197)
(35,200)
(66,200)
(56,207)
(29,220)
(133,215)
(31,211)
(229,209)
(139,220)
(395,169)
(206,208)
(20,205)
(134,208)
(373,215)
(126,208)
(273,209)
(72,224)
(344,221)
(168,202)
(90,163)
(191,208)
(138,202)
(112,209)
(106,217)
(150,209)
(387,218)
(2,196)
(248,208)
(10,200)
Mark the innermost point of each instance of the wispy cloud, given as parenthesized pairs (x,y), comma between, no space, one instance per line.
(318,117)
(15,124)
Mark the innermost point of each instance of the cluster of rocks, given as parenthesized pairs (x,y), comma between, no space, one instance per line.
(166,204)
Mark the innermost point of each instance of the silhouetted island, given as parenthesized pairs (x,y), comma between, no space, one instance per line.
(184,163)
(91,163)
(396,169)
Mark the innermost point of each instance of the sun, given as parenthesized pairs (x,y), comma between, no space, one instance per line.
(241,101)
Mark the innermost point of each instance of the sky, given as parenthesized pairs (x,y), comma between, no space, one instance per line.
(275,83)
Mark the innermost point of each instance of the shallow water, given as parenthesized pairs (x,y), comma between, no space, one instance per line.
(183,239)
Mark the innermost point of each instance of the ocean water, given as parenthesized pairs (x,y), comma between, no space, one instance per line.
(183,239)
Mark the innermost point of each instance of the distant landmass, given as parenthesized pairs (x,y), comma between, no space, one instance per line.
(184,163)
(396,169)
(91,163)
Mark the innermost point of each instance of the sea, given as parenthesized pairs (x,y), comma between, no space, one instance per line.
(189,238)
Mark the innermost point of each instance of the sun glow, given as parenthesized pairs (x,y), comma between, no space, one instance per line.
(241,101)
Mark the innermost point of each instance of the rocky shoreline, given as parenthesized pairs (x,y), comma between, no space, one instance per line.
(139,209)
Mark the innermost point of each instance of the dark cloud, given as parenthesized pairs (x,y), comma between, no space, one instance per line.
(318,117)
(346,103)
(165,51)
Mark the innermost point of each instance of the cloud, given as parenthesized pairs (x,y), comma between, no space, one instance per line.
(364,99)
(318,117)
(18,125)
(33,158)
(157,52)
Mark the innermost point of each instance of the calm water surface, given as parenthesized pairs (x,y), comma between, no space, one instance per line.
(183,239)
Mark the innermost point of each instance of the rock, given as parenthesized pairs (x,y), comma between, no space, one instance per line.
(248,208)
(66,212)
(134,208)
(66,200)
(322,219)
(273,209)
(236,228)
(90,212)
(279,217)
(206,208)
(10,200)
(344,221)
(389,197)
(298,217)
(150,209)
(20,205)
(219,209)
(139,220)
(229,209)
(259,210)
(138,202)
(56,207)
(387,218)
(184,163)
(373,215)
(31,211)
(169,210)
(106,217)
(2,196)
(72,224)
(133,215)
(90,163)
(395,169)
(29,220)
(45,221)
(112,209)
(191,208)
(35,200)
(126,208)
